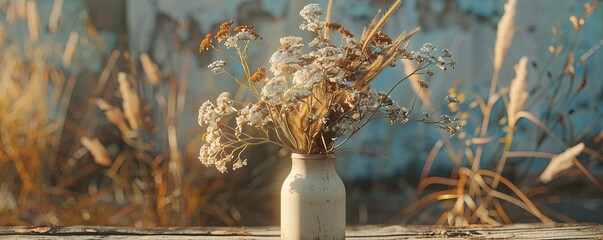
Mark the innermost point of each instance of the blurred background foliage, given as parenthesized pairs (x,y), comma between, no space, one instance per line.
(98,104)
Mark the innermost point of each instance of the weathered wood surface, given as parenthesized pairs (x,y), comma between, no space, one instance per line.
(518,231)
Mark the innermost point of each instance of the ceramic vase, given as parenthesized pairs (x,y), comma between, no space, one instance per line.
(313,199)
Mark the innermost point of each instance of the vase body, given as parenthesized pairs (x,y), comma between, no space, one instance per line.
(313,199)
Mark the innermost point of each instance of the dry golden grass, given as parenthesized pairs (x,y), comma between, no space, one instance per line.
(70,159)
(479,192)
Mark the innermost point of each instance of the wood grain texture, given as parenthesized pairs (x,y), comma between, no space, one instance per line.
(518,231)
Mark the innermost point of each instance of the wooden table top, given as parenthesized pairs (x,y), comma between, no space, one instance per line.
(517,231)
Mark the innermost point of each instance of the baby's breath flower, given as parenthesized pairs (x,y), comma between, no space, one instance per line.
(429,73)
(441,63)
(221,163)
(452,63)
(208,114)
(427,48)
(239,164)
(451,99)
(454,126)
(404,115)
(423,83)
(217,67)
(393,112)
(447,53)
(252,116)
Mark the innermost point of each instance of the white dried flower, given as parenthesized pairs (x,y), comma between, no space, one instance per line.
(393,112)
(290,40)
(326,57)
(239,164)
(251,115)
(427,48)
(404,115)
(221,163)
(310,75)
(224,104)
(245,35)
(231,42)
(273,90)
(317,43)
(208,114)
(561,162)
(206,155)
(286,60)
(217,67)
(296,94)
(311,12)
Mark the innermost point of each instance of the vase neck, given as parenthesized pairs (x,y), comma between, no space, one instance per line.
(304,156)
(313,164)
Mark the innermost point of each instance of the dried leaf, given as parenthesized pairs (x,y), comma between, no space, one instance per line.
(21,8)
(517,92)
(114,115)
(55,16)
(98,151)
(150,69)
(2,33)
(33,20)
(70,48)
(131,102)
(561,162)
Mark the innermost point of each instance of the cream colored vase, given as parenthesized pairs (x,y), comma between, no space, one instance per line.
(313,199)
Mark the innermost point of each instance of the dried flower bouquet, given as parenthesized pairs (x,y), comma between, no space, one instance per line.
(315,93)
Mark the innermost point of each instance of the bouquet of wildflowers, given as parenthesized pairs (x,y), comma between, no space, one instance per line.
(314,93)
